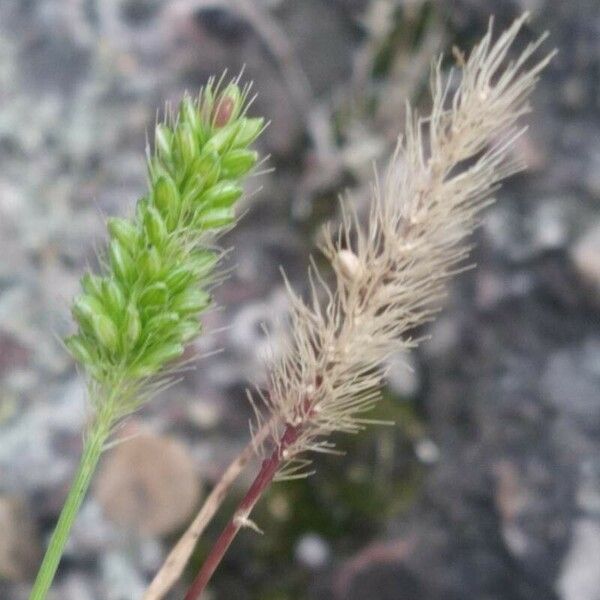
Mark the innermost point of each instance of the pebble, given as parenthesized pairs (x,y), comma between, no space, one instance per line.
(427,451)
(312,551)
(549,224)
(403,377)
(148,484)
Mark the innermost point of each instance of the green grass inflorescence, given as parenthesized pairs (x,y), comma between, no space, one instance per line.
(137,315)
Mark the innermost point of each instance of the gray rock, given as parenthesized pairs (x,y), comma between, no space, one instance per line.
(20,547)
(571,381)
(74,585)
(549,224)
(29,456)
(580,574)
(121,579)
(588,491)
(592,178)
(545,227)
(92,533)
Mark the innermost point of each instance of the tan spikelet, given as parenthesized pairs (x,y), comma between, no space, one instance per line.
(391,275)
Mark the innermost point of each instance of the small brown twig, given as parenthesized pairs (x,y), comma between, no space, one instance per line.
(240,519)
(377,553)
(177,559)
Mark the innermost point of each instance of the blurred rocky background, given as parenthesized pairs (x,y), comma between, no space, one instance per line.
(488,488)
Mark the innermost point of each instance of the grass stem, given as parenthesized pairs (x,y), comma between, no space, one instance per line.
(92,450)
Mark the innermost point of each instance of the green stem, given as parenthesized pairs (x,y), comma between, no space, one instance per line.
(92,450)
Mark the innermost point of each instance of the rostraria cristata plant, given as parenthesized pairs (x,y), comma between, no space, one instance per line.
(389,276)
(137,315)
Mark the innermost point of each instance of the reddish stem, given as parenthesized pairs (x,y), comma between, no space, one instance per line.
(264,478)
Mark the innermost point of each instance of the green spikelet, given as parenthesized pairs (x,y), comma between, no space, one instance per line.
(136,316)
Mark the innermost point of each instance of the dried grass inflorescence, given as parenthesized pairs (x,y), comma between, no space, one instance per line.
(391,275)
(138,315)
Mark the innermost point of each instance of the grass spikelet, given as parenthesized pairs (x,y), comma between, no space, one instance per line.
(136,317)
